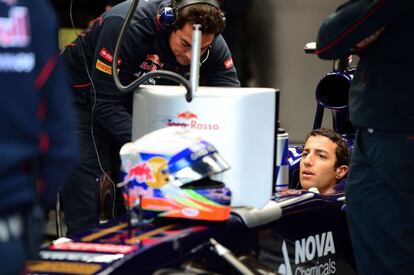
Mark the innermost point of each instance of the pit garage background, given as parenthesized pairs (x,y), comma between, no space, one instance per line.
(276,33)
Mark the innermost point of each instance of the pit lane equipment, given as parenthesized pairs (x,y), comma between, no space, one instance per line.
(332,93)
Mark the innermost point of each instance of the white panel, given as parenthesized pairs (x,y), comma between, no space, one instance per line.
(240,122)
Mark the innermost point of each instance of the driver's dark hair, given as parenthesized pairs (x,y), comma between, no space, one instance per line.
(210,18)
(342,152)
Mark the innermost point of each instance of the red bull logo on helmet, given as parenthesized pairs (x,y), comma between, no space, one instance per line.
(152,172)
(141,173)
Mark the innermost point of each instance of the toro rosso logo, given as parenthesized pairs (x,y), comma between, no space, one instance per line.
(190,120)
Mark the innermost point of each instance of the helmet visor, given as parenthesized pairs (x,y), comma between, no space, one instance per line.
(206,166)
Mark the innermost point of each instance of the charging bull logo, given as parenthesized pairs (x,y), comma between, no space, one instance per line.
(153,172)
(187,115)
(141,173)
(152,63)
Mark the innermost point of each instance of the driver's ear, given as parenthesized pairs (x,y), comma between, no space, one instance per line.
(341,171)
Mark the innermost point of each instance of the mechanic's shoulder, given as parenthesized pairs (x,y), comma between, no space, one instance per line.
(219,46)
(145,8)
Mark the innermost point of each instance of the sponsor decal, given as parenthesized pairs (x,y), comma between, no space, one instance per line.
(228,63)
(200,151)
(153,172)
(62,267)
(319,247)
(94,247)
(160,172)
(285,269)
(141,172)
(103,67)
(190,120)
(108,56)
(152,63)
(295,156)
(17,62)
(15,29)
(154,59)
(80,256)
(190,212)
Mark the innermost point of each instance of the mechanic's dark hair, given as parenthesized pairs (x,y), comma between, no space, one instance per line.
(210,18)
(342,152)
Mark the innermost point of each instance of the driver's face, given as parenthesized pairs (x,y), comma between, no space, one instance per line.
(317,164)
(181,40)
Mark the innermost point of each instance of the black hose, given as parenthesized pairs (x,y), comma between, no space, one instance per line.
(160,74)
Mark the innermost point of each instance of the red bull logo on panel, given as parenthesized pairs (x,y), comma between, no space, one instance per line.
(187,115)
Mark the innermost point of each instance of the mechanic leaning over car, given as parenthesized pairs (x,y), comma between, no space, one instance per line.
(380,187)
(152,43)
(37,141)
(324,162)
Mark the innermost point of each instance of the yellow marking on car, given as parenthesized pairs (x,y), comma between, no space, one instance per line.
(62,267)
(149,234)
(103,232)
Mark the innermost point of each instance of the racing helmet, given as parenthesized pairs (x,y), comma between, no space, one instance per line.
(169,172)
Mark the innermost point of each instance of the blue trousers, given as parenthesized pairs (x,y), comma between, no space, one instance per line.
(380,202)
(79,196)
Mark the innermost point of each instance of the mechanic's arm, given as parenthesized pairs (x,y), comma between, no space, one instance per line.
(110,109)
(357,21)
(219,69)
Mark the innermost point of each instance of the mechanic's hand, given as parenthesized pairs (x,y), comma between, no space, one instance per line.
(365,42)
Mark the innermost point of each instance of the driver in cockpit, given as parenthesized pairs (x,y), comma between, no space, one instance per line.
(324,162)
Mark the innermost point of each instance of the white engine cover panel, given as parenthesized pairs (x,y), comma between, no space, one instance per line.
(239,122)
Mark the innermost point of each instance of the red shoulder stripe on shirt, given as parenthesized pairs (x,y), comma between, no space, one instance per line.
(45,72)
(351,28)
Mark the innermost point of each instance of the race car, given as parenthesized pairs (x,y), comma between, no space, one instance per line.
(310,236)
